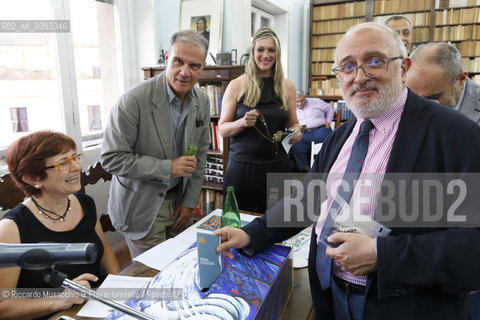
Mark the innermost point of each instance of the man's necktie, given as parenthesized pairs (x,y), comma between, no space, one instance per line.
(354,167)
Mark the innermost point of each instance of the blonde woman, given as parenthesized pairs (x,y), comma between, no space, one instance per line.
(255,106)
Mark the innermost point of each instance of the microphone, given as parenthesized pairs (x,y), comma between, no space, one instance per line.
(37,256)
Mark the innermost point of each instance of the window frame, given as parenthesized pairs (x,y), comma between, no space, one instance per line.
(63,51)
(259,14)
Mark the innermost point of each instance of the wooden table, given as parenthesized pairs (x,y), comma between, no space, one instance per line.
(299,305)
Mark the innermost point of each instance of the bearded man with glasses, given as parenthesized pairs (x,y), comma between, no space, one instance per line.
(418,271)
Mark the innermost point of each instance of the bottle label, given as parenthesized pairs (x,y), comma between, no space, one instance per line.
(230,219)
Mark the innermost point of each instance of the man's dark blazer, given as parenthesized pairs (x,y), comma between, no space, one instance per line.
(471,101)
(421,273)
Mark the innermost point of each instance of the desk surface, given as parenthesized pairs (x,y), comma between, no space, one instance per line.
(299,305)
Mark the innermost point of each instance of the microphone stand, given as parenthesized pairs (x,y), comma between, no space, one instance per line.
(43,261)
(59,280)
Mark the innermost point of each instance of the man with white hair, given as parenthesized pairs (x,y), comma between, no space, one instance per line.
(156,184)
(415,272)
(314,116)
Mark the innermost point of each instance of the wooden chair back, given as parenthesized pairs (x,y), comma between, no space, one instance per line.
(10,194)
(91,176)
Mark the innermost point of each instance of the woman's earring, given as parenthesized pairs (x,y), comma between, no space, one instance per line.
(37,186)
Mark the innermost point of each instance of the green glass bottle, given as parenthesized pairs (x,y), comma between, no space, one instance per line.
(230,214)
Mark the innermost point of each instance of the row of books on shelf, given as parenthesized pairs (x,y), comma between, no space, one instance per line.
(421,34)
(214,169)
(338,26)
(327,54)
(471,65)
(393,6)
(469,48)
(326,40)
(345,113)
(214,172)
(323,54)
(337,105)
(440,4)
(417,19)
(476,78)
(215,95)
(342,10)
(456,33)
(328,87)
(214,179)
(214,162)
(208,201)
(331,40)
(216,140)
(457,16)
(321,68)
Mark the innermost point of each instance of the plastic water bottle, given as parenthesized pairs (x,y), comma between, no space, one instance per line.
(230,214)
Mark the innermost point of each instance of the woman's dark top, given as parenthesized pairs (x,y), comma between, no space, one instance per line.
(33,231)
(249,146)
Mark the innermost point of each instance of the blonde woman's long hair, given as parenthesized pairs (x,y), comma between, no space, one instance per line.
(254,81)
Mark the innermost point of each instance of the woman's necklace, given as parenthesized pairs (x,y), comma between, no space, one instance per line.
(44,211)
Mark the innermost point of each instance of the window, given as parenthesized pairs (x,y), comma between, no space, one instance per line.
(264,22)
(252,26)
(66,82)
(92,26)
(260,19)
(28,75)
(19,119)
(94,118)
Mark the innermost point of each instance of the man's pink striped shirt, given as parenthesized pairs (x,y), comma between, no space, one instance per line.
(381,139)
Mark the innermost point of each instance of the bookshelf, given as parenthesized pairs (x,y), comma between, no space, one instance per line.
(457,21)
(213,80)
(329,21)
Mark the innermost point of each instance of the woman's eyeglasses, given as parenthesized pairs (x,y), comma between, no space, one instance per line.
(65,164)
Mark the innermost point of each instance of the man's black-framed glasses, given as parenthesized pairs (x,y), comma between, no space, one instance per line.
(372,68)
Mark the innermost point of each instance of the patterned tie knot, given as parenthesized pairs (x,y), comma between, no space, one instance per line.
(365,127)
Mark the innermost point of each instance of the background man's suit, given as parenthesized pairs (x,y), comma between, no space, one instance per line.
(471,101)
(425,277)
(138,149)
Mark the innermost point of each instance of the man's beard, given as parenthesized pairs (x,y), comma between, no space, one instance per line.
(387,96)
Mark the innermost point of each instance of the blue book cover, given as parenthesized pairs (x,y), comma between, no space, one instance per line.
(209,261)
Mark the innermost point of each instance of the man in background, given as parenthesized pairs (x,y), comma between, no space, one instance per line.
(155,186)
(314,116)
(202,27)
(403,27)
(436,74)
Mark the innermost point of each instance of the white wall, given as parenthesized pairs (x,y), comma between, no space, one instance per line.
(145,42)
(290,27)
(298,43)
(167,22)
(236,26)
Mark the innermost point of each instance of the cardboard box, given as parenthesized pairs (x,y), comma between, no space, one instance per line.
(248,288)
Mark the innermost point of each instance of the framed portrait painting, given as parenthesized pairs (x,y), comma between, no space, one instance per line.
(205,16)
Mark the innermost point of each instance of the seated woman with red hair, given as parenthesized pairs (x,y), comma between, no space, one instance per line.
(46,166)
